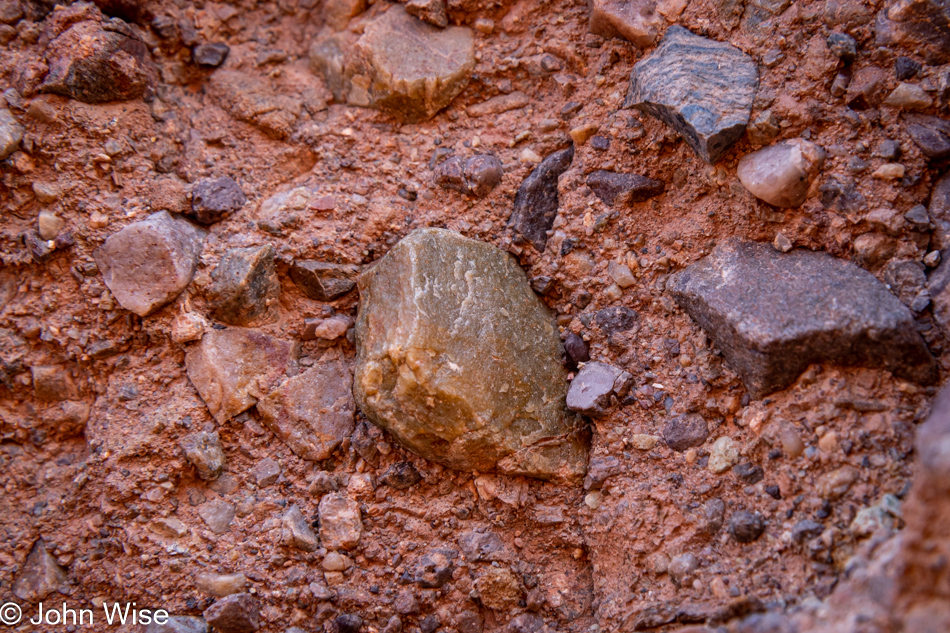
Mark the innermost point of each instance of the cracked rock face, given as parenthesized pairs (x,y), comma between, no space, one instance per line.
(773,314)
(700,87)
(460,361)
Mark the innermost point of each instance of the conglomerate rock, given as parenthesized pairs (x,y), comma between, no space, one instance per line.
(773,314)
(460,361)
(700,87)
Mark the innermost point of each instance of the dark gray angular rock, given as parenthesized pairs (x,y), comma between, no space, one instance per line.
(476,176)
(322,281)
(806,530)
(685,431)
(401,475)
(745,526)
(536,202)
(214,199)
(348,623)
(773,314)
(483,546)
(616,319)
(461,362)
(245,288)
(595,386)
(749,473)
(906,68)
(908,281)
(701,88)
(920,26)
(435,568)
(623,189)
(237,613)
(210,55)
(931,134)
(843,46)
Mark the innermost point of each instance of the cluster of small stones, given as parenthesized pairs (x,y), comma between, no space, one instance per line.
(459,360)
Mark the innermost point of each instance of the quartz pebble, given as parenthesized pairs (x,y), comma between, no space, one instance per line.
(723,455)
(782,174)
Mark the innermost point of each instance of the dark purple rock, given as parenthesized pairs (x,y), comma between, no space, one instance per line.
(713,515)
(348,623)
(745,526)
(245,286)
(842,196)
(578,351)
(536,202)
(542,284)
(435,568)
(908,281)
(214,199)
(773,314)
(806,530)
(430,623)
(600,470)
(700,87)
(623,189)
(594,386)
(749,473)
(685,431)
(600,143)
(237,613)
(525,623)
(906,68)
(322,281)
(210,55)
(401,475)
(616,319)
(919,26)
(476,176)
(930,133)
(940,212)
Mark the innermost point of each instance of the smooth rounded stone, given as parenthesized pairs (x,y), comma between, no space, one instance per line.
(11,133)
(188,327)
(237,613)
(326,329)
(296,531)
(215,199)
(835,484)
(636,21)
(348,623)
(245,289)
(536,202)
(498,588)
(700,87)
(220,585)
(782,174)
(217,515)
(94,60)
(179,624)
(682,567)
(723,454)
(323,281)
(908,97)
(210,55)
(232,369)
(745,526)
(594,387)
(931,134)
(335,561)
(48,224)
(623,189)
(460,361)
(312,413)
(773,314)
(476,176)
(431,11)
(408,68)
(204,452)
(685,431)
(401,476)
(340,522)
(39,576)
(147,264)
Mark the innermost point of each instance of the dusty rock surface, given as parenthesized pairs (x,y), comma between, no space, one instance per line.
(153,452)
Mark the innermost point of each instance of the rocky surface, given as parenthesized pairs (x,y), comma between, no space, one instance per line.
(702,88)
(460,361)
(772,315)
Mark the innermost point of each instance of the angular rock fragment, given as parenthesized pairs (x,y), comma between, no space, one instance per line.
(215,199)
(782,174)
(594,386)
(623,189)
(210,55)
(634,20)
(234,368)
(52,383)
(401,476)
(245,289)
(701,88)
(460,360)
(94,60)
(340,522)
(773,314)
(498,589)
(312,413)
(220,585)
(400,65)
(431,11)
(322,281)
(476,176)
(864,91)
(237,613)
(217,515)
(536,202)
(685,431)
(931,134)
(204,452)
(11,133)
(296,530)
(435,568)
(40,575)
(147,264)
